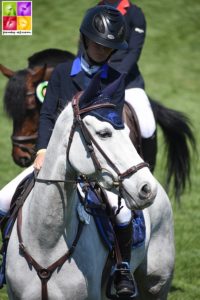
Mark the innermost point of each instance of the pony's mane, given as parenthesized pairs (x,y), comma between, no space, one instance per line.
(14,96)
(50,57)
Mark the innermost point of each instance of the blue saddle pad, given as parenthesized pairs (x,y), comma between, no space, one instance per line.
(105,227)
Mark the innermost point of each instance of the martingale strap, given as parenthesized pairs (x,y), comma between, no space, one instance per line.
(45,273)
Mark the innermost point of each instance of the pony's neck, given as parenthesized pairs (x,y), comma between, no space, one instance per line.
(49,205)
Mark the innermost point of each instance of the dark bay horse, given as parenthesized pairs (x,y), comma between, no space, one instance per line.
(22,105)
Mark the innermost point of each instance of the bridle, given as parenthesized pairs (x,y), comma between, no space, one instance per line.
(46,273)
(21,141)
(90,141)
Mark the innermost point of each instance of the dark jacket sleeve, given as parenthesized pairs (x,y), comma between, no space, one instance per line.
(48,112)
(136,29)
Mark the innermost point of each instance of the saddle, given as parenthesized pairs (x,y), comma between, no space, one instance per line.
(95,204)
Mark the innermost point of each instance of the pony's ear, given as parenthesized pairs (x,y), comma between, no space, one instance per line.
(6,72)
(38,73)
(92,90)
(110,90)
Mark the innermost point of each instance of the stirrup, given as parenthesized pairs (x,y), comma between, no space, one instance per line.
(122,268)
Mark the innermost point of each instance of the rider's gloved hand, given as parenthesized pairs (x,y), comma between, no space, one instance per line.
(39,159)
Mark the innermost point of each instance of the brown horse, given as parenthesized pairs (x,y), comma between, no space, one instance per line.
(23,106)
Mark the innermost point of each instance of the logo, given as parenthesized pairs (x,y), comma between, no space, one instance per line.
(110,36)
(16,17)
(139,30)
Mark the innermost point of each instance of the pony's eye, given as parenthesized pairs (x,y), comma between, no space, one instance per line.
(104,134)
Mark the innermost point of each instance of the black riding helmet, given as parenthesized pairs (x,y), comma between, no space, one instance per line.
(106,26)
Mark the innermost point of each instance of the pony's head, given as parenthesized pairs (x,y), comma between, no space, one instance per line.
(23,107)
(101,147)
(22,100)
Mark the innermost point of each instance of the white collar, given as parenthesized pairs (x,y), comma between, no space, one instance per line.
(87,68)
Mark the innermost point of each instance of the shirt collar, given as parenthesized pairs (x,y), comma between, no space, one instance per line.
(79,64)
(123,5)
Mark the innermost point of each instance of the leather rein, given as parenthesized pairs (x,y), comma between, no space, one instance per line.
(46,273)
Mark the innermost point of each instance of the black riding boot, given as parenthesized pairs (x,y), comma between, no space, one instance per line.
(149,149)
(124,282)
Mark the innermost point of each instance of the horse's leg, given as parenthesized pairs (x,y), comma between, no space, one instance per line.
(154,275)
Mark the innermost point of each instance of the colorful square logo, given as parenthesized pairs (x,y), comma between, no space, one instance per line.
(16,17)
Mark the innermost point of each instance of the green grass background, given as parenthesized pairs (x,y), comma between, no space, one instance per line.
(170,64)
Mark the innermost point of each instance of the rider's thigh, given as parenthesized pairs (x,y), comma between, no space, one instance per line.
(138,99)
(7,192)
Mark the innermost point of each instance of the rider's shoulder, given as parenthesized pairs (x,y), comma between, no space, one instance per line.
(136,11)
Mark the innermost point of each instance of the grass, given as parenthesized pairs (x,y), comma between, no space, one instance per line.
(170,65)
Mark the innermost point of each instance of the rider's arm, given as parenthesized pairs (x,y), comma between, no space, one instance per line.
(127,59)
(49,111)
(47,118)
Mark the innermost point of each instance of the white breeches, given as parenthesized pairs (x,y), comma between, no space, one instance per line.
(7,192)
(124,216)
(138,99)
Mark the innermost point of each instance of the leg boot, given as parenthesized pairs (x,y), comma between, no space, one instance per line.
(124,282)
(149,150)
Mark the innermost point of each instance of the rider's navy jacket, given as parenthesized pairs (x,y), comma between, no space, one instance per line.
(66,80)
(125,61)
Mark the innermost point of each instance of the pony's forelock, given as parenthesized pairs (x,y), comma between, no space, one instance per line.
(14,96)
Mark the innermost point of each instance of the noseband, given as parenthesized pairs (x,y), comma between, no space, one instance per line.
(21,141)
(90,141)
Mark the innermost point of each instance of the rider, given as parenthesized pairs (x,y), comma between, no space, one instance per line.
(102,32)
(126,60)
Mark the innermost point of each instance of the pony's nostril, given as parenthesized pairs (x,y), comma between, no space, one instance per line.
(145,191)
(24,162)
